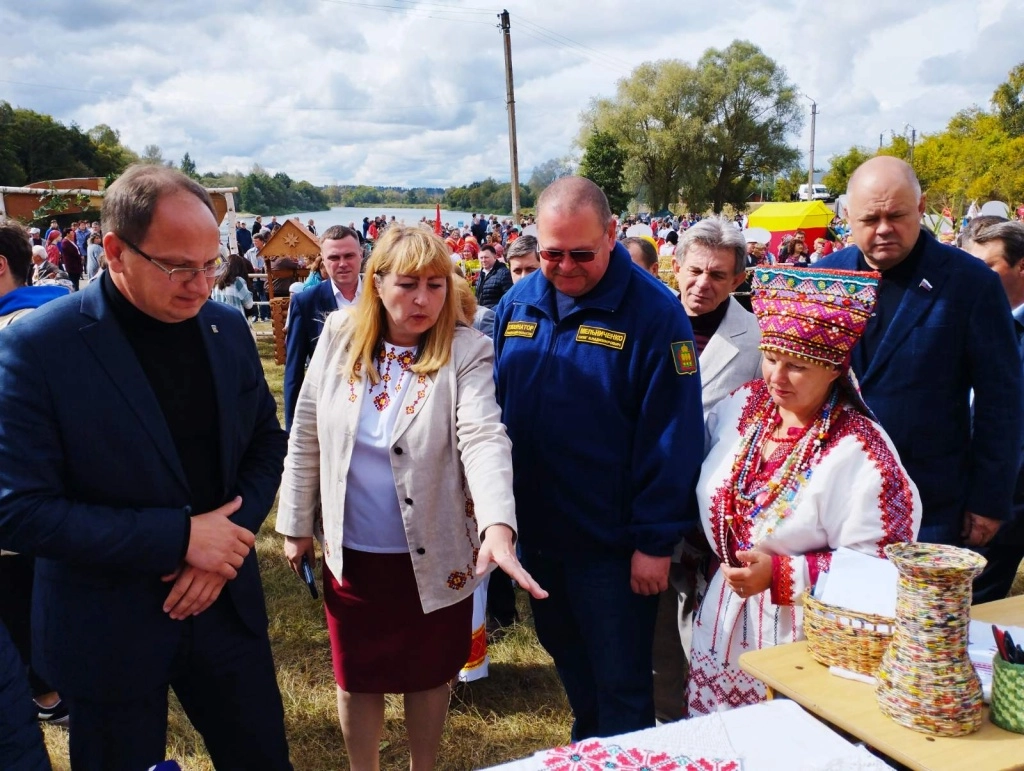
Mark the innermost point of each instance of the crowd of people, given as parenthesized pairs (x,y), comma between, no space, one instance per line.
(663,472)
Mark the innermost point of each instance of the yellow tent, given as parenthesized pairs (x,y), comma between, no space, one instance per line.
(813,217)
(791,216)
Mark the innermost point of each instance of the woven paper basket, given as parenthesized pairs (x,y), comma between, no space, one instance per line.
(1007,695)
(838,637)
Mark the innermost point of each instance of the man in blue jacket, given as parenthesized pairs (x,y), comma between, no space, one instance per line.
(942,328)
(598,380)
(142,509)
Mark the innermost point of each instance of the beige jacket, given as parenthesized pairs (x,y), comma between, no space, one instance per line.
(454,438)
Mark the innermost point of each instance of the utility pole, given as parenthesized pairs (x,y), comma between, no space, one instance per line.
(513,151)
(810,170)
(913,141)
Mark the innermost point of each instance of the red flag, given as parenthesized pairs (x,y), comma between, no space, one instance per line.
(437,220)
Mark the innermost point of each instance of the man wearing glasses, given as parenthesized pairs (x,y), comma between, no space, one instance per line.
(142,509)
(598,380)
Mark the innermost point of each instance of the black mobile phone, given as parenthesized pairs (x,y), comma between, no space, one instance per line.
(308,577)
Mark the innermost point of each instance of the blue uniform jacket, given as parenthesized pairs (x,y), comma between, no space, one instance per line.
(952,332)
(604,412)
(91,483)
(307,311)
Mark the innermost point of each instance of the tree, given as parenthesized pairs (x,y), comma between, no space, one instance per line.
(188,166)
(651,119)
(547,172)
(603,163)
(1008,100)
(787,184)
(112,157)
(152,155)
(841,168)
(37,148)
(748,108)
(705,133)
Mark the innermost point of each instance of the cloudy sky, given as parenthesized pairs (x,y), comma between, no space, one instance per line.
(403,92)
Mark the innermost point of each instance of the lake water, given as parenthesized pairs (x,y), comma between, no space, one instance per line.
(353,215)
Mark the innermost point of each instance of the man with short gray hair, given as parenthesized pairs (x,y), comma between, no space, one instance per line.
(999,243)
(710,262)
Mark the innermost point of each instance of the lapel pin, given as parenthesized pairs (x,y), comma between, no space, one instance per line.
(925,285)
(215,330)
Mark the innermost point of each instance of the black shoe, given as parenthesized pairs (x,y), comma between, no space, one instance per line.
(55,715)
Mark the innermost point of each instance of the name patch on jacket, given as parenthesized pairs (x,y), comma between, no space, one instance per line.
(521,329)
(599,336)
(684,356)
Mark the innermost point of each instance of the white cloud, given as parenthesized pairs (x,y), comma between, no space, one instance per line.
(336,91)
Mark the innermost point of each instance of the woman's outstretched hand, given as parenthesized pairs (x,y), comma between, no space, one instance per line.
(497,547)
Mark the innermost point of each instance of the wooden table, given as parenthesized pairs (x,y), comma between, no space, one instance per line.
(789,670)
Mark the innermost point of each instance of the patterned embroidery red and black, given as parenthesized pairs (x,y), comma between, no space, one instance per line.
(896,499)
(782,580)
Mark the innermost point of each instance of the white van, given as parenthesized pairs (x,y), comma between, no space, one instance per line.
(817,193)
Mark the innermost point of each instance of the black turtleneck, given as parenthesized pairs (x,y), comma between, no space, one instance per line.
(705,325)
(894,284)
(174,359)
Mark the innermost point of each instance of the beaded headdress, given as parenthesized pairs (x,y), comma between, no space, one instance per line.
(817,314)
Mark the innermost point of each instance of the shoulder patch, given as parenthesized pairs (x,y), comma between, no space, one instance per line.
(599,336)
(684,356)
(521,329)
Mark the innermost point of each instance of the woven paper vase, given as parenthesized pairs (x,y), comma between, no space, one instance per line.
(1007,695)
(926,681)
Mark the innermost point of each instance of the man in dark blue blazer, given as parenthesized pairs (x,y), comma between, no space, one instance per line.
(1000,245)
(942,329)
(342,254)
(139,454)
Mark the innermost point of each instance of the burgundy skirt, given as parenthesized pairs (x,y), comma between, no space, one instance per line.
(381,640)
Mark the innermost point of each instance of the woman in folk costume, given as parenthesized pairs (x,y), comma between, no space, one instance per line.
(795,467)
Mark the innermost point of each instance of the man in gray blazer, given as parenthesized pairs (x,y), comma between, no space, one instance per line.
(710,263)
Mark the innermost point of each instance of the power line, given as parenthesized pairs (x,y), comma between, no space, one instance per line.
(570,43)
(410,11)
(556,44)
(241,106)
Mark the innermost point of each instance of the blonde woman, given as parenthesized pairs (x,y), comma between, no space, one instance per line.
(397,411)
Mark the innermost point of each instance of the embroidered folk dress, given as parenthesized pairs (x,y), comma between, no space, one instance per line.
(854,494)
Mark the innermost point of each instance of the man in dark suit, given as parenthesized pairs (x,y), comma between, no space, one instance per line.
(143,508)
(494,279)
(342,253)
(1000,245)
(942,328)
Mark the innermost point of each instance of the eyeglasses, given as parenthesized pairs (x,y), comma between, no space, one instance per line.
(576,255)
(176,275)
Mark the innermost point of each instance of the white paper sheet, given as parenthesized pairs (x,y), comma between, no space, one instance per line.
(861,583)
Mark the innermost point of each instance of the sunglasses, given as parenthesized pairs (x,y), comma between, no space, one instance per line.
(576,255)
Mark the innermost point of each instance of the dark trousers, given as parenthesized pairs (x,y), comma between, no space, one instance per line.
(600,635)
(21,739)
(17,573)
(224,678)
(501,599)
(259,293)
(1004,554)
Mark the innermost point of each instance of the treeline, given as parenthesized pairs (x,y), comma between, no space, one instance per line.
(34,147)
(367,195)
(978,157)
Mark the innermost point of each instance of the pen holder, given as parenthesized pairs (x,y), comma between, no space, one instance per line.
(1007,695)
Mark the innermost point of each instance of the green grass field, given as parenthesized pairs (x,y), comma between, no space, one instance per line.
(519,709)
